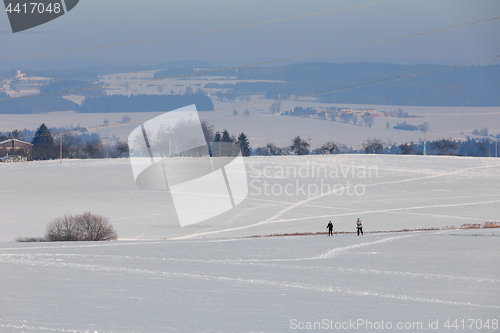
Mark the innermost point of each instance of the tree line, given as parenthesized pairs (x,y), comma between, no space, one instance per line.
(145,103)
(98,102)
(75,145)
(469,147)
(221,143)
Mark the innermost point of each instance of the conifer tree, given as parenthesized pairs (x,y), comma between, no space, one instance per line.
(217,137)
(43,144)
(244,144)
(226,137)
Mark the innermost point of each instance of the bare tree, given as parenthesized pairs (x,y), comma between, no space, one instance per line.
(354,119)
(93,148)
(347,117)
(72,145)
(444,145)
(125,119)
(85,227)
(272,149)
(367,119)
(16,134)
(208,131)
(330,147)
(387,125)
(481,145)
(122,148)
(372,146)
(406,149)
(246,113)
(235,112)
(299,146)
(275,107)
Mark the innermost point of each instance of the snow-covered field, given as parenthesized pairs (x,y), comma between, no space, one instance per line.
(286,194)
(206,277)
(417,281)
(261,127)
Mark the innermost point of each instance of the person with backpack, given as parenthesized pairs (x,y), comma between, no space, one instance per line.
(359,225)
(330,228)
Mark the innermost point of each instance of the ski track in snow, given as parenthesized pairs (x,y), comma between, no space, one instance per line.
(273,219)
(263,262)
(393,210)
(261,282)
(260,263)
(327,255)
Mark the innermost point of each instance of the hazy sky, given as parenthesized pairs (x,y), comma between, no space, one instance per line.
(95,22)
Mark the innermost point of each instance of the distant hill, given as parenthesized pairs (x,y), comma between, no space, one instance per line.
(470,86)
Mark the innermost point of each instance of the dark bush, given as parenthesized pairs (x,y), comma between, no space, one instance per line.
(85,227)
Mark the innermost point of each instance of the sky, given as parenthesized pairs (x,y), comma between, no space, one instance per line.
(96,22)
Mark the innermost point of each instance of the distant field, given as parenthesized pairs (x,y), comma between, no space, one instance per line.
(261,127)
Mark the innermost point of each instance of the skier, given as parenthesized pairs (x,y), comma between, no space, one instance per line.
(359,225)
(330,228)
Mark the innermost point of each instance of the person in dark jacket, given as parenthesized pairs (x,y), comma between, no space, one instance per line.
(330,228)
(359,225)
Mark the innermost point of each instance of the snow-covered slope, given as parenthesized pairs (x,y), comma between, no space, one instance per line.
(286,195)
(426,280)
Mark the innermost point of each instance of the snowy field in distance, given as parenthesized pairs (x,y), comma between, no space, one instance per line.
(261,127)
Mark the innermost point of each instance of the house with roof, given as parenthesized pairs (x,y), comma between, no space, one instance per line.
(14,150)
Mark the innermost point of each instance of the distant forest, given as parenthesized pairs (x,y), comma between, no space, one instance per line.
(39,104)
(86,87)
(105,104)
(144,103)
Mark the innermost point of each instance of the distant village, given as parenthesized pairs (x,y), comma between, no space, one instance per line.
(23,84)
(333,113)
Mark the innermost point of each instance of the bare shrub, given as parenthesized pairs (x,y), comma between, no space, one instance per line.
(85,227)
(30,239)
(492,225)
(471,226)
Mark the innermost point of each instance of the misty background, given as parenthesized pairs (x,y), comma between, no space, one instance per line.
(96,22)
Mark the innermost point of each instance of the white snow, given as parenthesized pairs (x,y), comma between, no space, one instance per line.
(160,277)
(252,285)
